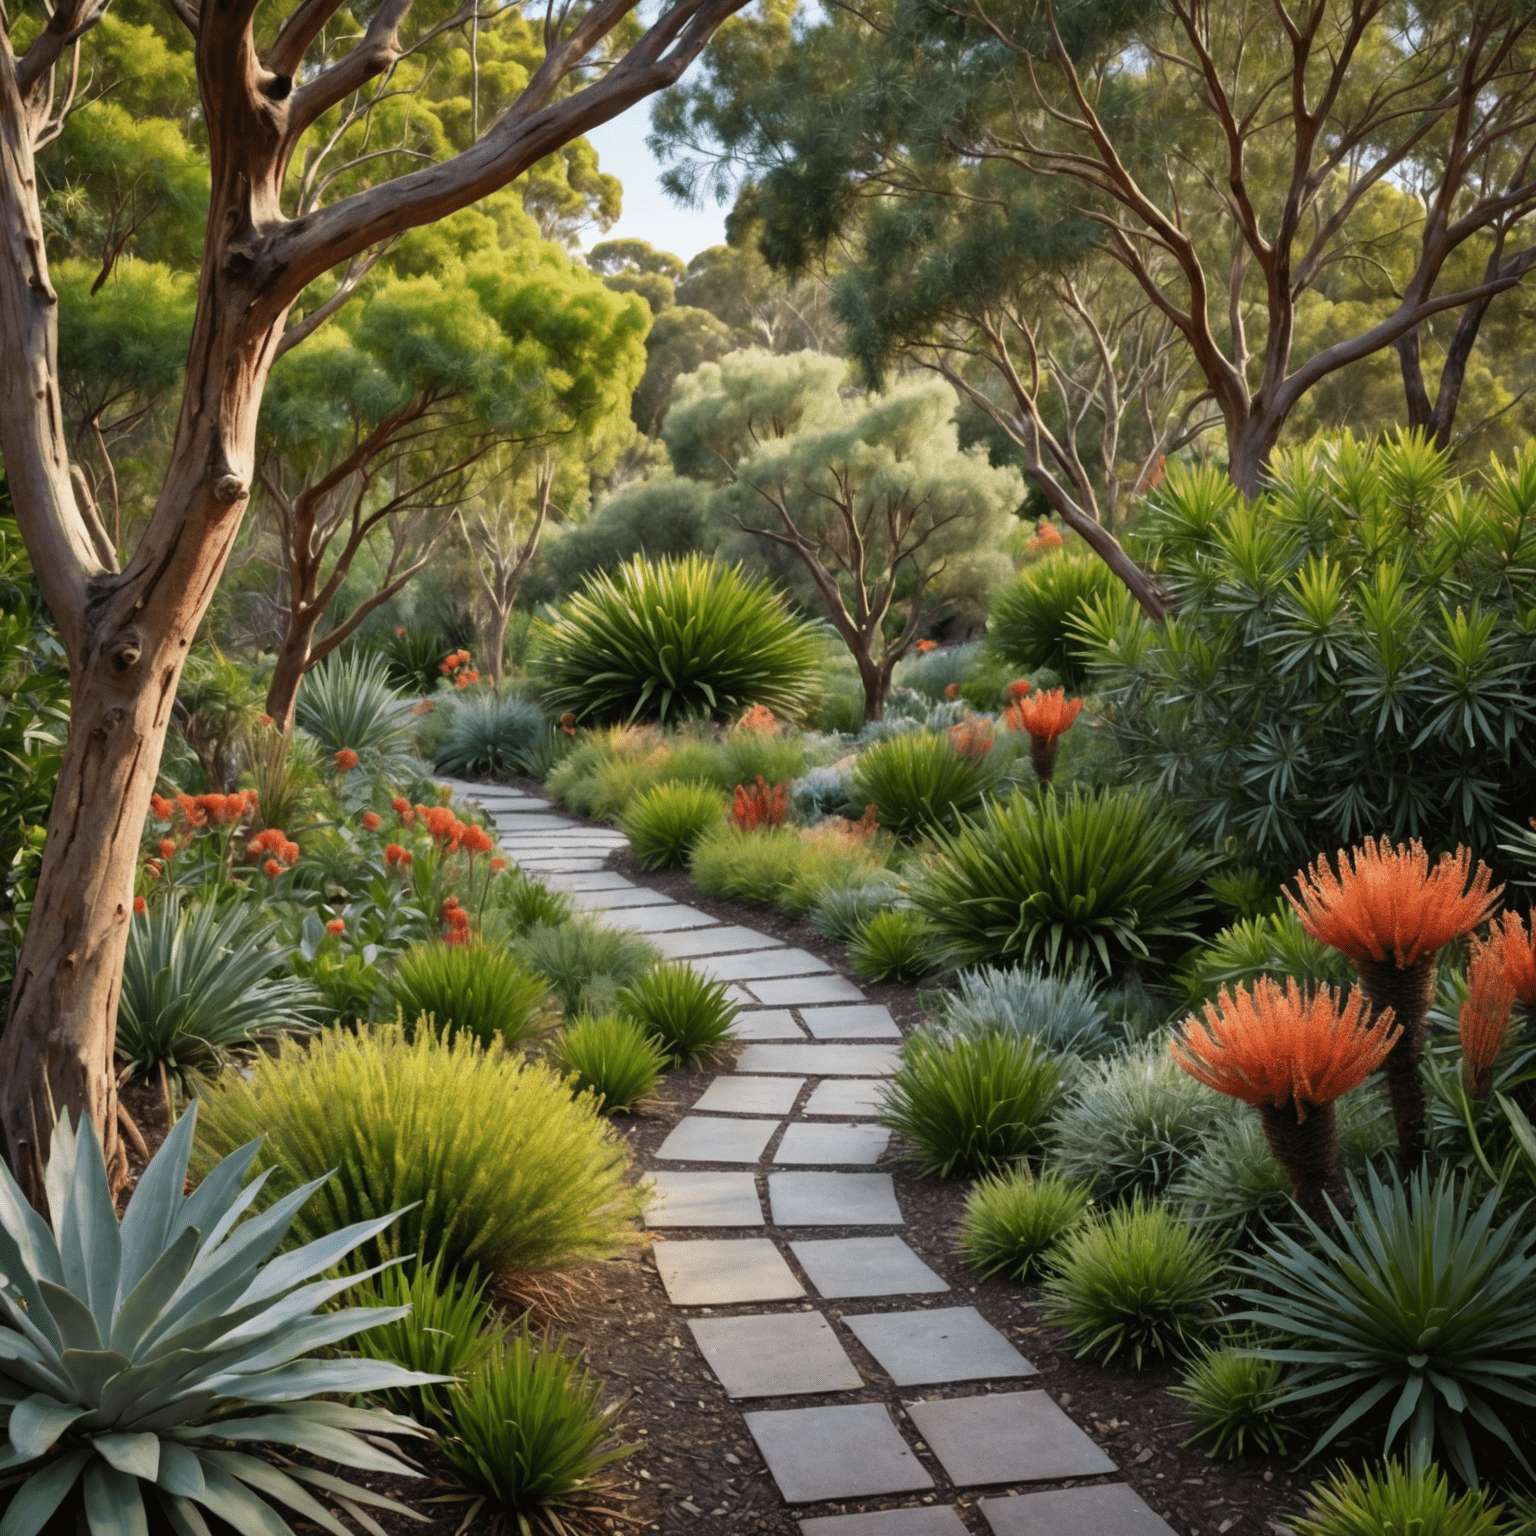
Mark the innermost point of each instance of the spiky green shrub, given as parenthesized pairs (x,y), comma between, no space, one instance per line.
(470,989)
(1066,1013)
(412,658)
(1012,1221)
(500,1166)
(1030,623)
(671,640)
(348,702)
(664,823)
(1136,1281)
(213,1345)
(966,1107)
(491,732)
(688,1016)
(585,962)
(199,982)
(528,903)
(612,1058)
(893,946)
(1065,881)
(841,911)
(1231,1397)
(1271,945)
(755,868)
(1397,1500)
(917,782)
(1419,1314)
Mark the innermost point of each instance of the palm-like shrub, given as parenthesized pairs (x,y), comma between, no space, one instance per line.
(965,1107)
(1030,623)
(492,732)
(1137,1281)
(500,1166)
(585,963)
(412,657)
(893,946)
(1065,881)
(1013,1221)
(918,782)
(199,983)
(612,1058)
(1064,1013)
(673,640)
(664,823)
(348,704)
(1421,1312)
(1271,945)
(1398,1499)
(1231,1397)
(842,911)
(135,1356)
(471,989)
(688,1016)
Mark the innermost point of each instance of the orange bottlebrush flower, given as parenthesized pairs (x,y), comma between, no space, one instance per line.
(952,690)
(346,760)
(1517,948)
(972,738)
(440,820)
(497,865)
(1018,688)
(163,809)
(140,906)
(372,821)
(457,935)
(924,646)
(758,718)
(760,806)
(1486,1013)
(167,848)
(271,869)
(191,810)
(477,840)
(1045,716)
(394,855)
(1387,904)
(336,925)
(289,853)
(458,920)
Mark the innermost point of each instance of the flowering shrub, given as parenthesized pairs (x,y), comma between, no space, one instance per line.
(760,806)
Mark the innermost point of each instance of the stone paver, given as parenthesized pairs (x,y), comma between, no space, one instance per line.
(703,1139)
(662,921)
(833,1200)
(546,869)
(925,1520)
(834,1146)
(605,901)
(847,1098)
(767,1024)
(593,880)
(722,1272)
(856,1021)
(938,1344)
(793,992)
(1107,1509)
(841,1452)
(841,1267)
(820,1060)
(741,997)
(532,822)
(682,1198)
(750,1096)
(779,1354)
(723,939)
(1006,1437)
(749,968)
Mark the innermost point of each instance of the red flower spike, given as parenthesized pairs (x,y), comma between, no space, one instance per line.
(1486,1014)
(346,760)
(372,821)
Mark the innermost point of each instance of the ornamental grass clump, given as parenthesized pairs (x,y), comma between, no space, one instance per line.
(470,989)
(688,1016)
(1398,1500)
(893,946)
(1014,1220)
(1291,1056)
(1046,717)
(1232,1397)
(665,823)
(918,782)
(585,962)
(612,1058)
(1390,914)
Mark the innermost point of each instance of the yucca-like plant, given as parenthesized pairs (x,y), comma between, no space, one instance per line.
(671,640)
(918,782)
(471,989)
(688,1016)
(412,657)
(491,732)
(1066,1014)
(664,823)
(1030,623)
(584,962)
(1231,1397)
(893,946)
(137,1357)
(612,1058)
(348,704)
(1397,1500)
(1065,881)
(1272,945)
(1013,1220)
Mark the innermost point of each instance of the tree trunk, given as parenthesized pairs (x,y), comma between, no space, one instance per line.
(493,641)
(292,663)
(877,683)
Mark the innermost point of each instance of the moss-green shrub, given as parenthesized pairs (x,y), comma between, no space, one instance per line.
(893,946)
(1029,625)
(585,962)
(780,866)
(918,782)
(470,989)
(611,1057)
(687,1015)
(527,902)
(1273,944)
(1013,1220)
(664,823)
(1231,1397)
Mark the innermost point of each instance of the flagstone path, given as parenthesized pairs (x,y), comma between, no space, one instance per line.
(797,1115)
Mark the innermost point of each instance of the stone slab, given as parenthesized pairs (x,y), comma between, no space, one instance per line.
(740,996)
(798,990)
(924,1520)
(840,1267)
(848,1098)
(607,901)
(549,868)
(938,1344)
(685,1198)
(820,1060)
(857,1021)
(724,939)
(848,1451)
(778,1354)
(513,804)
(767,1024)
(834,1146)
(833,1200)
(763,963)
(1006,1437)
(723,1272)
(537,821)
(658,920)
(750,1096)
(1106,1509)
(594,880)
(703,1139)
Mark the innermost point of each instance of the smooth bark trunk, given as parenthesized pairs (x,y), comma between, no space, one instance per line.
(293,658)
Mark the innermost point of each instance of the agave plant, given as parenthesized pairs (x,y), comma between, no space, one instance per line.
(134,1357)
(347,704)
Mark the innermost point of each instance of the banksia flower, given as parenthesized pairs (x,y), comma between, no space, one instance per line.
(163,809)
(1391,914)
(477,840)
(1018,688)
(289,853)
(271,869)
(497,865)
(760,806)
(758,718)
(167,848)
(1486,1014)
(1517,951)
(1047,717)
(924,646)
(396,856)
(440,821)
(346,760)
(140,906)
(402,808)
(1290,1056)
(372,821)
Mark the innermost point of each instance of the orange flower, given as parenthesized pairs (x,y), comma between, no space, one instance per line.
(400,630)
(464,679)
(346,760)
(191,810)
(372,821)
(952,690)
(266,720)
(1517,948)
(1486,1013)
(167,848)
(497,865)
(758,718)
(924,646)
(252,801)
(972,738)
(1045,716)
(154,867)
(336,925)
(568,723)
(478,840)
(760,806)
(457,935)
(140,906)
(394,855)
(164,809)
(1018,688)
(1047,536)
(289,853)
(272,869)
(440,821)
(1386,903)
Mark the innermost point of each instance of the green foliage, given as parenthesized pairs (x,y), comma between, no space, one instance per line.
(500,1167)
(892,946)
(1135,1281)
(1064,880)
(612,1057)
(1230,1395)
(930,673)
(673,640)
(347,703)
(1397,1500)
(199,982)
(688,1016)
(1066,1014)
(468,989)
(664,823)
(585,962)
(412,659)
(528,902)
(778,866)
(965,1107)
(1421,1311)
(1030,622)
(210,1344)
(841,912)
(660,518)
(1013,1220)
(917,782)
(492,733)
(1270,945)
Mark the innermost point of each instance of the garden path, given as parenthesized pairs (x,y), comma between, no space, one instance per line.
(796,1119)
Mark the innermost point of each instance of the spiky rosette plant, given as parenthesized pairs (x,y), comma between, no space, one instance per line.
(1390,914)
(134,1356)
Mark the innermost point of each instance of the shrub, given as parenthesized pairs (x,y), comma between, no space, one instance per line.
(347,704)
(1136,1281)
(1065,1014)
(584,962)
(1395,1501)
(211,1343)
(756,868)
(411,657)
(199,983)
(1064,880)
(1012,1221)
(740,757)
(930,673)
(967,1107)
(528,902)
(673,640)
(612,1058)
(470,989)
(892,946)
(664,823)
(687,1015)
(1421,1312)
(824,792)
(918,782)
(1230,1395)
(500,1166)
(1029,626)
(1274,944)
(491,732)
(841,911)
